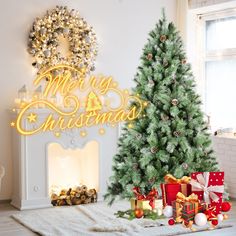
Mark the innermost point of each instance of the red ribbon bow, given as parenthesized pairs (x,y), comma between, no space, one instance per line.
(151,196)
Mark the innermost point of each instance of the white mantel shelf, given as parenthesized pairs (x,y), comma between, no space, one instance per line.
(30,163)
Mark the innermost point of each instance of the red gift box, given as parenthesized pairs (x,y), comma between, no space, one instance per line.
(169,192)
(209,186)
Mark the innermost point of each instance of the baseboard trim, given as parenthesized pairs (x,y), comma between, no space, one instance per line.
(5,201)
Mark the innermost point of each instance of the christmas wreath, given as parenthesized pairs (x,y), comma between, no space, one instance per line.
(61,22)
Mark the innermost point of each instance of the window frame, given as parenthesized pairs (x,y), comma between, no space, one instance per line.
(213,55)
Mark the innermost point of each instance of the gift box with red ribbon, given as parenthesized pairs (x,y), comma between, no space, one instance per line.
(143,201)
(209,186)
(172,186)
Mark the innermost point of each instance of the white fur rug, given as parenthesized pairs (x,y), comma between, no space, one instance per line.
(92,219)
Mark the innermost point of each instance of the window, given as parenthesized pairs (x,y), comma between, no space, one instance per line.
(219,68)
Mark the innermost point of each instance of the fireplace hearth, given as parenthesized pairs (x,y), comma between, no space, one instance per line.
(31,168)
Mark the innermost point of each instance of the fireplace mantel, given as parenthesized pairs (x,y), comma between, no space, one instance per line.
(30,164)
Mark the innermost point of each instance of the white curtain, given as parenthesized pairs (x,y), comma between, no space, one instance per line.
(181,17)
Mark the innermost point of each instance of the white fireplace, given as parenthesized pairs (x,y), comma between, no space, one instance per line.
(34,157)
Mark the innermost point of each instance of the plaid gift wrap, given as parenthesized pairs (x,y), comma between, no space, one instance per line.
(209,186)
(185,208)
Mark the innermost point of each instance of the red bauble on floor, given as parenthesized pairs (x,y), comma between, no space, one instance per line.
(214,222)
(226,206)
(138,213)
(171,221)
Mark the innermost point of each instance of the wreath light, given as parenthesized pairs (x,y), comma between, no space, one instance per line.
(61,22)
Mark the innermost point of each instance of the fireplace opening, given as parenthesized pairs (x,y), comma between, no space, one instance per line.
(73,174)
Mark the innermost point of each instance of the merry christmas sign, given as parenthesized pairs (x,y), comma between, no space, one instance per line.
(64,85)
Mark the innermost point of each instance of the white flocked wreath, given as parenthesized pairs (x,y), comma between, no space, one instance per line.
(61,22)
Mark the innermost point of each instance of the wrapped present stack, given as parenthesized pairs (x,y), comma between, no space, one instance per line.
(192,198)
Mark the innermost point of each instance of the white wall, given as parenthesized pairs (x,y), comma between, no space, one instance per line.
(225,150)
(121,27)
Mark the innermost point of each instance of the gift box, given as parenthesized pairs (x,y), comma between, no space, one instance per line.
(141,204)
(209,186)
(159,206)
(169,192)
(172,186)
(144,201)
(145,205)
(185,208)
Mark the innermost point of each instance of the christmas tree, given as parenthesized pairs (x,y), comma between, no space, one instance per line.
(171,136)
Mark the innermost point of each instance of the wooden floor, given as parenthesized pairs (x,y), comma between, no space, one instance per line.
(9,227)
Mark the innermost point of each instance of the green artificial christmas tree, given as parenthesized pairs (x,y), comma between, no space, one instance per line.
(171,136)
